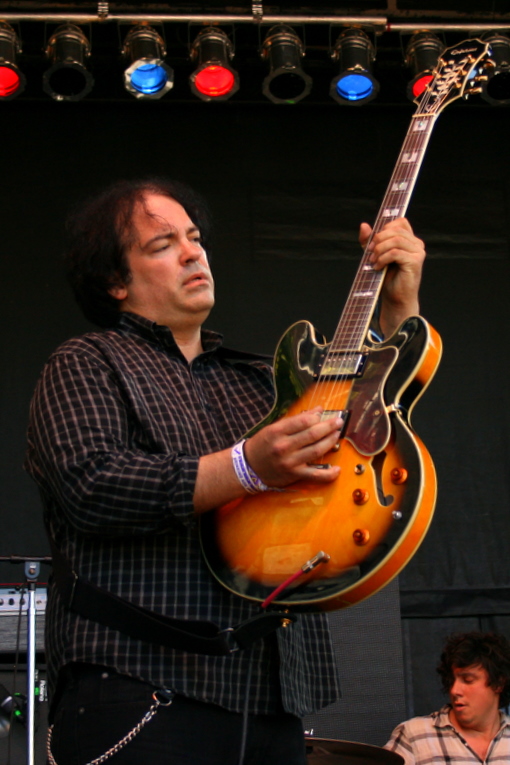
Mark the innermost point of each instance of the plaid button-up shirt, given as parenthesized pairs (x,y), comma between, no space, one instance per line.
(433,740)
(118,422)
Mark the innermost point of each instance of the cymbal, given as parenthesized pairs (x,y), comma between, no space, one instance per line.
(327,750)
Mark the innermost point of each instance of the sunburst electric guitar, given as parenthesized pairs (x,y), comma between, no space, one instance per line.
(324,547)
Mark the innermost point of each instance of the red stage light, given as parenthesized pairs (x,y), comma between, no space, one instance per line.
(10,81)
(422,54)
(215,81)
(421,84)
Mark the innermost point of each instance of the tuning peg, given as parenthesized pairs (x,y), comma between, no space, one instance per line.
(472,92)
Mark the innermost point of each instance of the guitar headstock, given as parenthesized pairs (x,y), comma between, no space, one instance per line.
(456,75)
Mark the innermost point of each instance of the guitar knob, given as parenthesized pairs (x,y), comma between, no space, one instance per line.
(360,496)
(399,475)
(361,536)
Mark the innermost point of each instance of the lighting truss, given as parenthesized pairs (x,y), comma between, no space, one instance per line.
(146,75)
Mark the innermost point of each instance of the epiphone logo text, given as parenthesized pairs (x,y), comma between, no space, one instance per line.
(462,50)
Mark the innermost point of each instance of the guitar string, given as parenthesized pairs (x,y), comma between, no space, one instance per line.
(357,316)
(353,323)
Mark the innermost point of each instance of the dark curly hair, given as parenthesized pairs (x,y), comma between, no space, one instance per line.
(101,230)
(485,649)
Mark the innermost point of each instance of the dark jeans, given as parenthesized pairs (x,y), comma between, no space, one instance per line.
(99,707)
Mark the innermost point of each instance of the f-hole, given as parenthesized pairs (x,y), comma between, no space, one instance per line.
(377,466)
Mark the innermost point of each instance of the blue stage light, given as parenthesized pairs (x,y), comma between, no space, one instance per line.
(355,84)
(148,76)
(354,87)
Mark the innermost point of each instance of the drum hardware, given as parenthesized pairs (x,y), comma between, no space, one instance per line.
(326,750)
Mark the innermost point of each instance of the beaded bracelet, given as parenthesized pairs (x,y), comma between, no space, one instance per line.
(248,479)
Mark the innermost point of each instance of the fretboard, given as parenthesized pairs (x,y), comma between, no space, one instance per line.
(362,300)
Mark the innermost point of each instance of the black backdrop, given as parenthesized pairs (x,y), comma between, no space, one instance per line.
(288,187)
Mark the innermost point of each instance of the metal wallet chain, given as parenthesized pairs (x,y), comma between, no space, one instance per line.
(158,695)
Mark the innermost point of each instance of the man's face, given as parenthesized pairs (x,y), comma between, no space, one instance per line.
(473,700)
(171,282)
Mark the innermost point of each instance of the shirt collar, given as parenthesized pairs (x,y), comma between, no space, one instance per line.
(442,719)
(156,334)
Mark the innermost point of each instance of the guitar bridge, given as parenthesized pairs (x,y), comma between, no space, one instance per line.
(343,364)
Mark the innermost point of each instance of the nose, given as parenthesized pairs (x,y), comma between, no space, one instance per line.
(455,689)
(191,250)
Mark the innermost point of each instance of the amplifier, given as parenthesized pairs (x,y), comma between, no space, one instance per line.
(13,619)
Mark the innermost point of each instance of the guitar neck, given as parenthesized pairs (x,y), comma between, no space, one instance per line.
(362,300)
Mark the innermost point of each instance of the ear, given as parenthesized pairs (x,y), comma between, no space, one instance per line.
(119,292)
(500,687)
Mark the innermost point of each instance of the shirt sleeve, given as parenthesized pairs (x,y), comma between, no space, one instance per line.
(400,743)
(83,454)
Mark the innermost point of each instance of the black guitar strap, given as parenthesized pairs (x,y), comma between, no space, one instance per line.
(99,605)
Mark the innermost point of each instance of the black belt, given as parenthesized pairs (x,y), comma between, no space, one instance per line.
(94,603)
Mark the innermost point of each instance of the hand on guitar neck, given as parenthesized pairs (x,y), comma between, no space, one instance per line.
(396,248)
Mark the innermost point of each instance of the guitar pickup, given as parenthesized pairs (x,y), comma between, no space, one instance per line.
(327,414)
(341,364)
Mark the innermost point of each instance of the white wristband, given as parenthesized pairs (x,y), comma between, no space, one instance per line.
(248,479)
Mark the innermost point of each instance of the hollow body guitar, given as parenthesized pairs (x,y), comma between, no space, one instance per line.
(371,520)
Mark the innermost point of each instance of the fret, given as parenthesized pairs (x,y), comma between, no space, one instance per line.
(409,156)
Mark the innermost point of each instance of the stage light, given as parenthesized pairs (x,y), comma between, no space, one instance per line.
(355,84)
(286,82)
(421,56)
(147,76)
(12,80)
(213,79)
(496,90)
(68,78)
